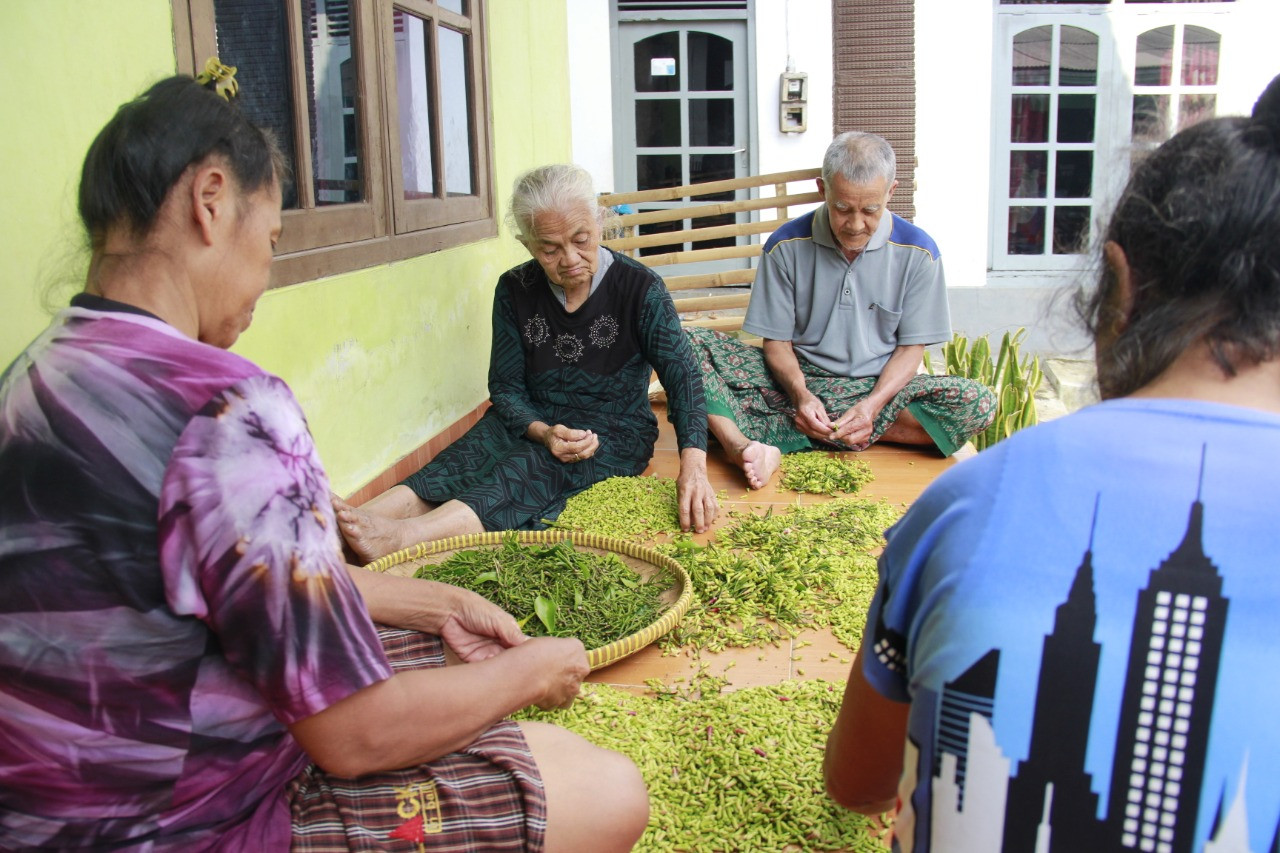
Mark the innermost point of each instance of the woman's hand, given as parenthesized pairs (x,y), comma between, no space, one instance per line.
(694,496)
(477,629)
(562,661)
(570,445)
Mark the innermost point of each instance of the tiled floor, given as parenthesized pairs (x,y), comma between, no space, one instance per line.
(901,473)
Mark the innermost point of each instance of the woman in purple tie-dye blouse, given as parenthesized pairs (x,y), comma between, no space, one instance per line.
(186,663)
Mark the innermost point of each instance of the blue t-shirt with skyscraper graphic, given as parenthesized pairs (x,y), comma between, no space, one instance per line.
(1083,618)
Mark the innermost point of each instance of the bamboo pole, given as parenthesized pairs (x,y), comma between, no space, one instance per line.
(673,193)
(719,324)
(694,256)
(778,202)
(712,303)
(693,235)
(711,279)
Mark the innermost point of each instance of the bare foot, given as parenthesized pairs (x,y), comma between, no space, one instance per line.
(759,462)
(369,536)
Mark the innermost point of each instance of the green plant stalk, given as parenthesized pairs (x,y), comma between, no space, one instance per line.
(768,577)
(1013,381)
(594,597)
(737,771)
(820,472)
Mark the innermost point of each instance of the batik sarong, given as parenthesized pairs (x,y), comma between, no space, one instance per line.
(486,796)
(738,385)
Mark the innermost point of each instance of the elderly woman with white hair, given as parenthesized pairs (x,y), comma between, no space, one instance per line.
(577,331)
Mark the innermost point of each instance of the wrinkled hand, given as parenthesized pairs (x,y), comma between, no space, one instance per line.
(695,497)
(571,445)
(562,664)
(853,428)
(811,418)
(477,629)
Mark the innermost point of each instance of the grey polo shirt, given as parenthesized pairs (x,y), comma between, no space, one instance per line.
(847,318)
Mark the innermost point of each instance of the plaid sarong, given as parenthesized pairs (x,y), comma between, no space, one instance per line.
(487,796)
(739,386)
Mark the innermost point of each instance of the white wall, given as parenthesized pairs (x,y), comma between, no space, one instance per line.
(591,90)
(800,29)
(953,133)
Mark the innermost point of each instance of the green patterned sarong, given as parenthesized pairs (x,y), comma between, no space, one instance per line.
(739,386)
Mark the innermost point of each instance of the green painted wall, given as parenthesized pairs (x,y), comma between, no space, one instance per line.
(381,359)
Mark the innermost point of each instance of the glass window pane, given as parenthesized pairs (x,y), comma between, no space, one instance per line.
(711,121)
(1200,57)
(661,228)
(658,123)
(657,67)
(331,86)
(1030,119)
(1073,174)
(455,111)
(1028,174)
(459,6)
(710,63)
(1077,58)
(413,95)
(1150,118)
(714,222)
(255,40)
(1032,52)
(1026,230)
(1075,118)
(1070,230)
(1195,108)
(712,167)
(1154,66)
(657,170)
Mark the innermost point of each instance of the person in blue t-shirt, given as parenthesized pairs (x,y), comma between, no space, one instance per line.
(1072,645)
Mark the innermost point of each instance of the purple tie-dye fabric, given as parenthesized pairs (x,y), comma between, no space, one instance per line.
(172,593)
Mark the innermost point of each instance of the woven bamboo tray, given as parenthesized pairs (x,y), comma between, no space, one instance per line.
(645,561)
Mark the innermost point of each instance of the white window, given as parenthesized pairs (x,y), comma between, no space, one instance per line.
(1079,90)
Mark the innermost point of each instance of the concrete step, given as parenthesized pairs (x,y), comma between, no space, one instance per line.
(1073,381)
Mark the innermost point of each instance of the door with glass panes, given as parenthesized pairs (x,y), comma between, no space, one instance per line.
(681,118)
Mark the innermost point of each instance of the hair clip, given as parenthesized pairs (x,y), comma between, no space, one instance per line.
(223,78)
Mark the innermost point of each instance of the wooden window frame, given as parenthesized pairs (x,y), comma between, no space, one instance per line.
(321,241)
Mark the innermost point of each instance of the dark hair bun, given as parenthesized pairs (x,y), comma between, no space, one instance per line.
(1266,112)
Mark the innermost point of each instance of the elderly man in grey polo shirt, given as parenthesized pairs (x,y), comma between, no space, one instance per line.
(846,298)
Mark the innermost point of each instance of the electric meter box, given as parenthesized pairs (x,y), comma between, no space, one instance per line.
(793,106)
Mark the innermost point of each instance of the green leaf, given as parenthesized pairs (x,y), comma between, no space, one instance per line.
(546,610)
(487,577)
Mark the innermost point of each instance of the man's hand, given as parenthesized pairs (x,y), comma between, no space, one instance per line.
(853,428)
(477,629)
(571,445)
(811,417)
(694,495)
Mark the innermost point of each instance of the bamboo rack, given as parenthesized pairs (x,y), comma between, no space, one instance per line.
(708,311)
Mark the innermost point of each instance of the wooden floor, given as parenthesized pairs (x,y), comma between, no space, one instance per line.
(901,474)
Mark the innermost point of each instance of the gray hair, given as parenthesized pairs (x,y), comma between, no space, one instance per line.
(860,158)
(560,187)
